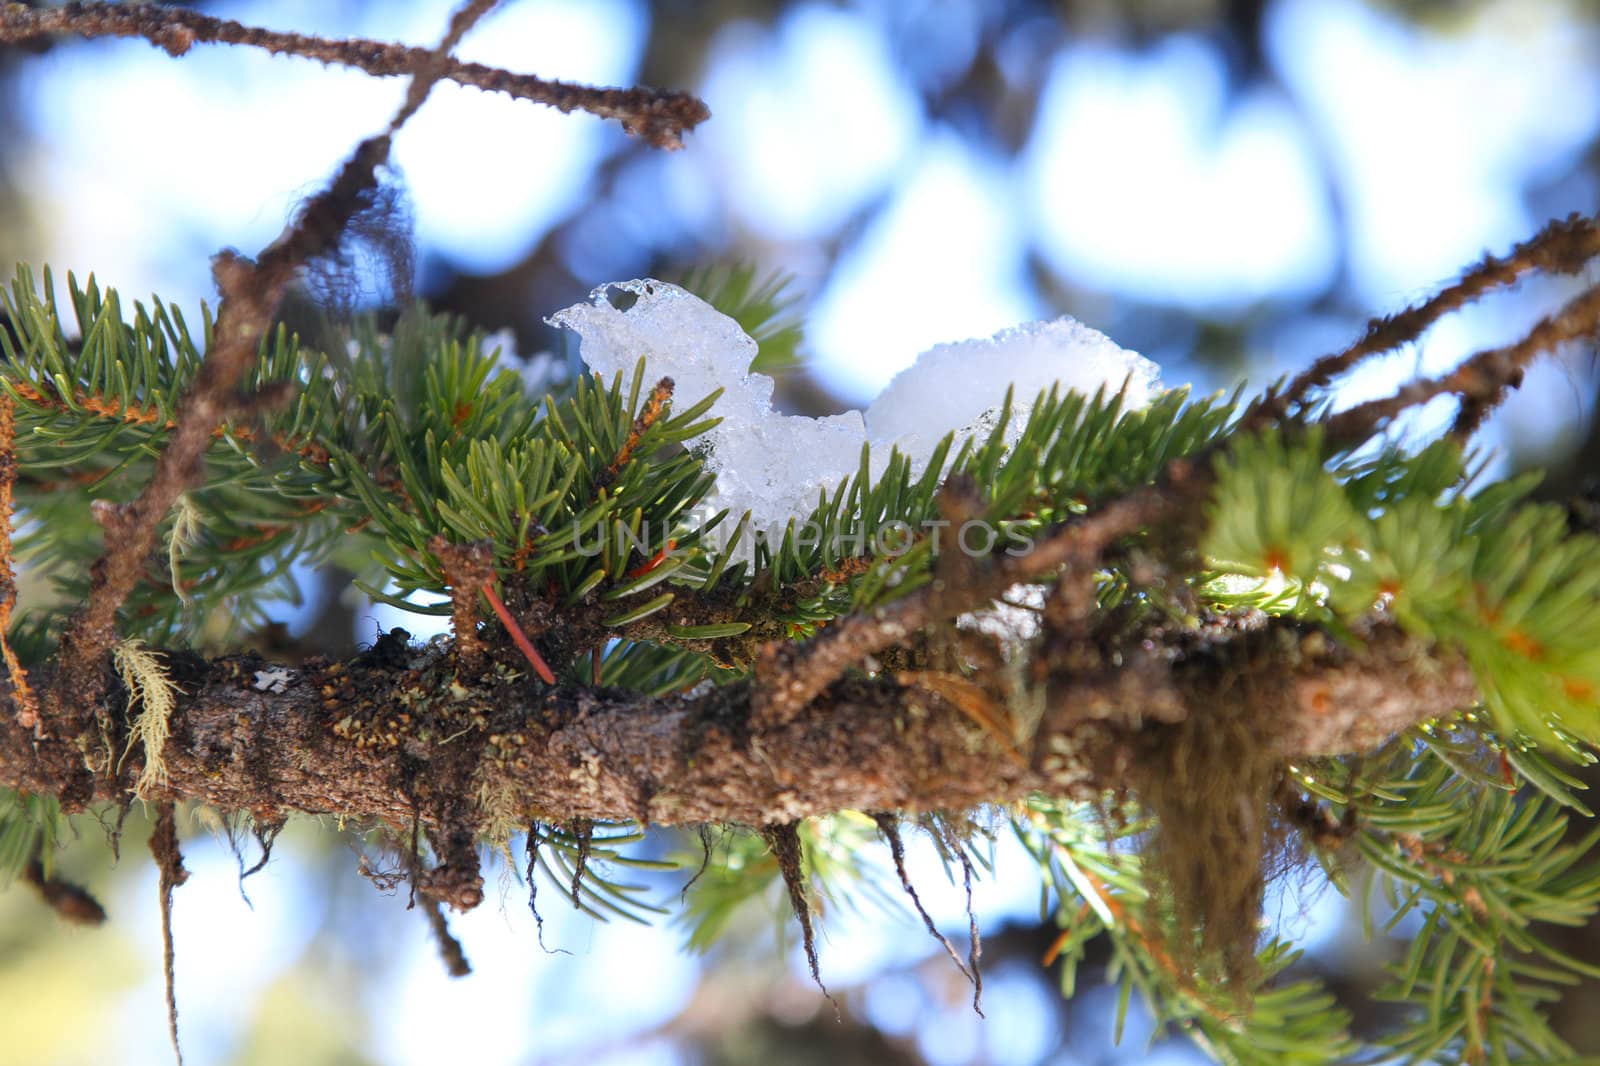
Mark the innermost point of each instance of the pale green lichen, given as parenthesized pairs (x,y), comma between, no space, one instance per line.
(187,524)
(150,689)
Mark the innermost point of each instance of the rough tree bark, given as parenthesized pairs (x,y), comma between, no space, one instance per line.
(397,734)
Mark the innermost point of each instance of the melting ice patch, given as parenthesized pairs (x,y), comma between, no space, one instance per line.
(775,466)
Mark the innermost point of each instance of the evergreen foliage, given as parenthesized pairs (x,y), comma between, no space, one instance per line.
(420,434)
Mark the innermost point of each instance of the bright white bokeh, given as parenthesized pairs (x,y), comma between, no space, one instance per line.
(808,119)
(1146,179)
(1434,137)
(942,262)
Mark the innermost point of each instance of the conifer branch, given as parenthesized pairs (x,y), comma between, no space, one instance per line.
(660,117)
(790,675)
(251,293)
(331,738)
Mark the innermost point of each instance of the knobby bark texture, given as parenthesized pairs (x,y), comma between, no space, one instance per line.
(399,735)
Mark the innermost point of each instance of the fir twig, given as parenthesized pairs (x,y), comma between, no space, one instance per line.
(1562,247)
(790,676)
(250,296)
(469,568)
(1483,380)
(660,117)
(654,407)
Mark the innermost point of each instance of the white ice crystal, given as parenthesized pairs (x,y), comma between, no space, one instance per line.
(771,465)
(963,385)
(775,465)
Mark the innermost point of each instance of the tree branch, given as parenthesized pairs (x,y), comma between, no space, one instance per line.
(1562,247)
(657,116)
(397,734)
(791,675)
(251,293)
(1483,380)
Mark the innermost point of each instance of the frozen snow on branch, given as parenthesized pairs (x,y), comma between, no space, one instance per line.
(775,466)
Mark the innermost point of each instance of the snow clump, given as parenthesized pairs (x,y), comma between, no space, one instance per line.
(775,466)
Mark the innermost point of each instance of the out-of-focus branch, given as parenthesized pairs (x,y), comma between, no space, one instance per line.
(660,117)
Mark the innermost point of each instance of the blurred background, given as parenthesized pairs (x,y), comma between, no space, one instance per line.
(1230,188)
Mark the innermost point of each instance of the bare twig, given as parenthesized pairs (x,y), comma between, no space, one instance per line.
(659,117)
(1482,381)
(450,950)
(889,828)
(468,568)
(169,860)
(790,675)
(71,902)
(783,840)
(1561,247)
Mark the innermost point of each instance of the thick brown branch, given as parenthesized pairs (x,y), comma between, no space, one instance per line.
(659,117)
(384,739)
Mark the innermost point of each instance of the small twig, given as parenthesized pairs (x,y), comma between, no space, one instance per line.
(703,831)
(783,840)
(27,704)
(1474,411)
(889,828)
(450,950)
(69,901)
(789,676)
(581,829)
(417,873)
(654,406)
(467,569)
(1483,381)
(518,637)
(169,860)
(974,934)
(1562,247)
(660,117)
